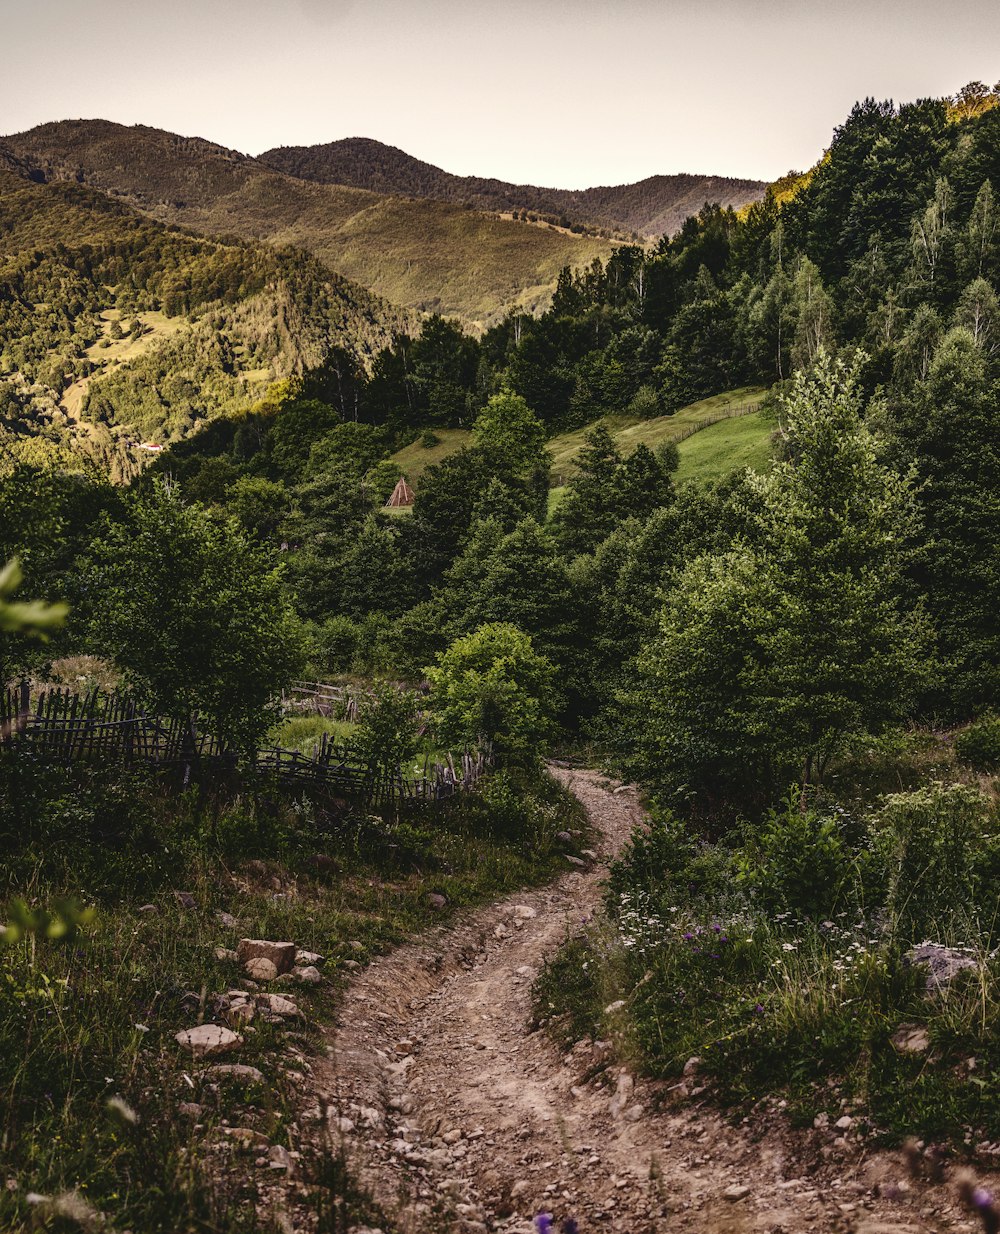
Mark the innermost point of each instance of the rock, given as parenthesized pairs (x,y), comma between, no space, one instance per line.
(564,836)
(736,1192)
(227,919)
(234,1071)
(452,1137)
(575,861)
(589,854)
(246,1137)
(623,1094)
(240,1012)
(281,955)
(943,964)
(911,1039)
(147,908)
(524,912)
(437,901)
(225,955)
(352,964)
(260,969)
(355,945)
(283,1007)
(207,1039)
(189,1109)
(312,976)
(821,1120)
(278,1158)
(842,1124)
(692,1066)
(185,899)
(633,1113)
(305,959)
(617,1005)
(404,1047)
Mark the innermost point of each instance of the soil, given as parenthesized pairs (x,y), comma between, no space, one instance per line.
(460,1116)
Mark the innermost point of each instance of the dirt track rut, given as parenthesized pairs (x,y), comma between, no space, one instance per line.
(462,1118)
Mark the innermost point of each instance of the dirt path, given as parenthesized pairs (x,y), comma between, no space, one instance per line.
(461,1118)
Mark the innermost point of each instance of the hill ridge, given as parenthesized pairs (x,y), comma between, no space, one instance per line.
(652,206)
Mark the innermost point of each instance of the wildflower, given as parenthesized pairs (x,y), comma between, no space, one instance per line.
(787,946)
(759,1009)
(543,1223)
(122,1112)
(688,936)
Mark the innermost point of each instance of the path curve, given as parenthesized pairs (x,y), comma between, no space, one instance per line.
(459,1117)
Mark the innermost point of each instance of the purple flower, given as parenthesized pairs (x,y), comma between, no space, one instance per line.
(981,1198)
(543,1223)
(688,937)
(759,1008)
(717,929)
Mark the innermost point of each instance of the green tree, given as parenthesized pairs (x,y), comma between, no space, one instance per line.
(195,615)
(491,685)
(772,657)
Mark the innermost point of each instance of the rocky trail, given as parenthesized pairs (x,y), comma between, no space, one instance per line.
(459,1117)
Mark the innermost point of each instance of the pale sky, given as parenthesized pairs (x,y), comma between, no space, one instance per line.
(551,92)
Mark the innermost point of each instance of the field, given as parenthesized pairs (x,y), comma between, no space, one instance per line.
(715,451)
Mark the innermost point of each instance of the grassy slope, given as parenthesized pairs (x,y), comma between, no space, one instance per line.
(712,451)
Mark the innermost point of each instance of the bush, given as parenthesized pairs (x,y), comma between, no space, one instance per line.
(933,841)
(429,439)
(799,862)
(979,744)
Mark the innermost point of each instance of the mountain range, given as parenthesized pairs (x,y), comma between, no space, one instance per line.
(649,208)
(406,231)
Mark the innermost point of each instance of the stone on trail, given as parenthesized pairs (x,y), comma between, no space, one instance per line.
(206,1039)
(281,955)
(524,912)
(736,1192)
(261,969)
(310,975)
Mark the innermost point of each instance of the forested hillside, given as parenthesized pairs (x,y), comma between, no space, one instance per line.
(115,329)
(653,207)
(425,255)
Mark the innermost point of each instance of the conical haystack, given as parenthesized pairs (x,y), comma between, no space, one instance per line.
(402,495)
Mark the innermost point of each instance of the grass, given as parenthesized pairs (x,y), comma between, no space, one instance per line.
(789,984)
(92,1016)
(304,733)
(414,459)
(717,450)
(745,440)
(629,433)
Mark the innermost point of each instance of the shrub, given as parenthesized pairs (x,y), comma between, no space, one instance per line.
(933,840)
(799,861)
(979,744)
(429,439)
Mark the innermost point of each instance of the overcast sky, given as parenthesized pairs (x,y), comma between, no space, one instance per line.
(553,92)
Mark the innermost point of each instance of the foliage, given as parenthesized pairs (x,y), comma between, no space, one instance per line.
(933,841)
(385,738)
(194,615)
(979,744)
(491,685)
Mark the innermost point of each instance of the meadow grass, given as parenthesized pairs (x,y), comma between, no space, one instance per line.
(88,1020)
(717,450)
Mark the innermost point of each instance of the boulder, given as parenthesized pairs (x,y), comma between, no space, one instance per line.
(281,955)
(304,959)
(312,976)
(207,1039)
(279,1006)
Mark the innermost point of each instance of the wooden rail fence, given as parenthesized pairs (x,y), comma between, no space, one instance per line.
(65,727)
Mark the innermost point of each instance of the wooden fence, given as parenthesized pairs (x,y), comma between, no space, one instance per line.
(61,726)
(322,699)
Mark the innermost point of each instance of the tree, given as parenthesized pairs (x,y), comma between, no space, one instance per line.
(195,615)
(491,685)
(771,657)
